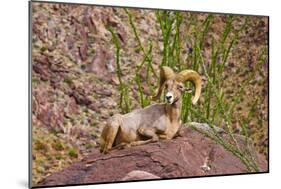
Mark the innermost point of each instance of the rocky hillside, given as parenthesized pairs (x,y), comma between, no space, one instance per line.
(75,87)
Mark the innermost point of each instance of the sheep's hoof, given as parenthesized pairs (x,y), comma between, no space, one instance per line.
(104,151)
(120,146)
(128,145)
(180,134)
(162,136)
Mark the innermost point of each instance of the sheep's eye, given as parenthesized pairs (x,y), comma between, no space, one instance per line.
(180,87)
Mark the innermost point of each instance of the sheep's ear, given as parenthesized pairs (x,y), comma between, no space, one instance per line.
(194,77)
(166,73)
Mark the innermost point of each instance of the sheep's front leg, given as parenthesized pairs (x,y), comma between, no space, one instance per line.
(163,136)
(148,133)
(145,132)
(120,146)
(140,142)
(135,143)
(173,133)
(179,133)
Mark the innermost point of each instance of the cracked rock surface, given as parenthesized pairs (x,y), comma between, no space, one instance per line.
(184,156)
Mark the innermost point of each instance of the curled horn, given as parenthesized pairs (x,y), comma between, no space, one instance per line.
(194,77)
(165,74)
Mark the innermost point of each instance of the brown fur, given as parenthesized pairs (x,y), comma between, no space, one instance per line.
(157,121)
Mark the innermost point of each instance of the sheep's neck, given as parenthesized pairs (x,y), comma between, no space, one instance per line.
(173,111)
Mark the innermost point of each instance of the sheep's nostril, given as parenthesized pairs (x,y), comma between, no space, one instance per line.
(168,97)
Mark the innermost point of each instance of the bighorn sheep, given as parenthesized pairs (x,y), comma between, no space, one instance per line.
(157,121)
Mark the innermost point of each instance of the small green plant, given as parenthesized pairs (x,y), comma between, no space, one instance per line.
(40,146)
(68,80)
(73,153)
(88,146)
(58,146)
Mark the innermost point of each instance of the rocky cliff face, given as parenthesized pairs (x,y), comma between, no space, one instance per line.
(189,155)
(74,81)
